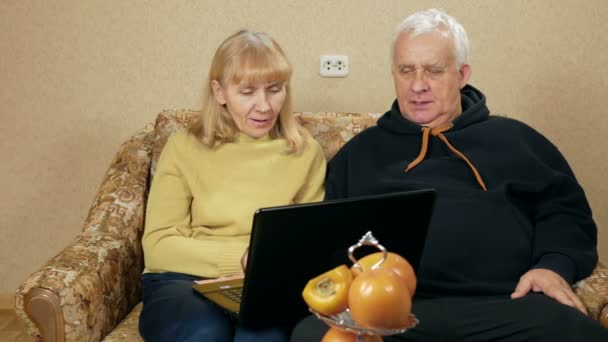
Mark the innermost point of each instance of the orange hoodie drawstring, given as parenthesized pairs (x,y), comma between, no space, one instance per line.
(437,132)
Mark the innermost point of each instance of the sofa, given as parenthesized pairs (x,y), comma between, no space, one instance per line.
(90,290)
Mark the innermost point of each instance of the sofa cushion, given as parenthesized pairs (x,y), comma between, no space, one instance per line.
(332,130)
(128,329)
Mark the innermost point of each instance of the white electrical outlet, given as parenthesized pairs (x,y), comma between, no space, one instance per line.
(334,66)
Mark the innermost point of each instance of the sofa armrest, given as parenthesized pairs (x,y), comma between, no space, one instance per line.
(82,293)
(43,309)
(593,292)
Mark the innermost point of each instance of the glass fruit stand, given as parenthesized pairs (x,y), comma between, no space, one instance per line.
(344,320)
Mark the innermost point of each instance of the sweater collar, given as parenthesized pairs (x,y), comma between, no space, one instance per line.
(474,110)
(245,139)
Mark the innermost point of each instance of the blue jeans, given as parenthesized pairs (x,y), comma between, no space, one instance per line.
(173,311)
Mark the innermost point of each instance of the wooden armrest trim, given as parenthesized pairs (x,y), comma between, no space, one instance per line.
(43,308)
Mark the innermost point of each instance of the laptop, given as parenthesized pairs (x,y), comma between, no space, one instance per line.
(291,244)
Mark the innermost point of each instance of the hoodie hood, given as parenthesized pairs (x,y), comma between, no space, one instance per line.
(473,110)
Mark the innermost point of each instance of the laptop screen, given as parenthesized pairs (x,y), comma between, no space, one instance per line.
(291,244)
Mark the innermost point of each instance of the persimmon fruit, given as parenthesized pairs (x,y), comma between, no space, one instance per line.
(379,299)
(327,293)
(395,262)
(339,335)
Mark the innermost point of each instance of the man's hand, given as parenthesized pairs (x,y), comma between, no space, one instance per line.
(549,283)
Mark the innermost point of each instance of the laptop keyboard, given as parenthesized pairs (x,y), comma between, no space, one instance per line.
(233,293)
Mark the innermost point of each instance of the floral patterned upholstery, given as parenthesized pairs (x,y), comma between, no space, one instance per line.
(90,290)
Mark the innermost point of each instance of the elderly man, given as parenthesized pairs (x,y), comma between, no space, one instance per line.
(512,228)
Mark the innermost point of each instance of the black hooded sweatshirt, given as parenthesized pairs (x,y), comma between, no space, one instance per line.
(534,213)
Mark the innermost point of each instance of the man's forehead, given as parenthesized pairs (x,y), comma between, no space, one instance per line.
(424,61)
(427,49)
(442,64)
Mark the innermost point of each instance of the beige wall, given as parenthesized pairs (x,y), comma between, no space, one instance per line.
(78,77)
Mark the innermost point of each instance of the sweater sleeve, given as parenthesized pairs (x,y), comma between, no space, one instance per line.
(167,241)
(566,235)
(565,232)
(312,189)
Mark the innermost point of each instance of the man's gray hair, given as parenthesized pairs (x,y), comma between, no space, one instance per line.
(431,20)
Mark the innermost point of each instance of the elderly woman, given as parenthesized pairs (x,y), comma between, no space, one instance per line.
(246,151)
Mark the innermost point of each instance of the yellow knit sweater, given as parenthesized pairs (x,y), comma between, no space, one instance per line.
(201,202)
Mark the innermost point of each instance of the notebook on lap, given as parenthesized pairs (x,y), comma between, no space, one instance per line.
(291,244)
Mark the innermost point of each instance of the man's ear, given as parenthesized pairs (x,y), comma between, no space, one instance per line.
(218,92)
(465,74)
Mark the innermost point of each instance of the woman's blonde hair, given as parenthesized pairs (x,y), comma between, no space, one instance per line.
(251,56)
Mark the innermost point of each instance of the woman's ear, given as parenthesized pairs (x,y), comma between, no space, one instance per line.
(218,92)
